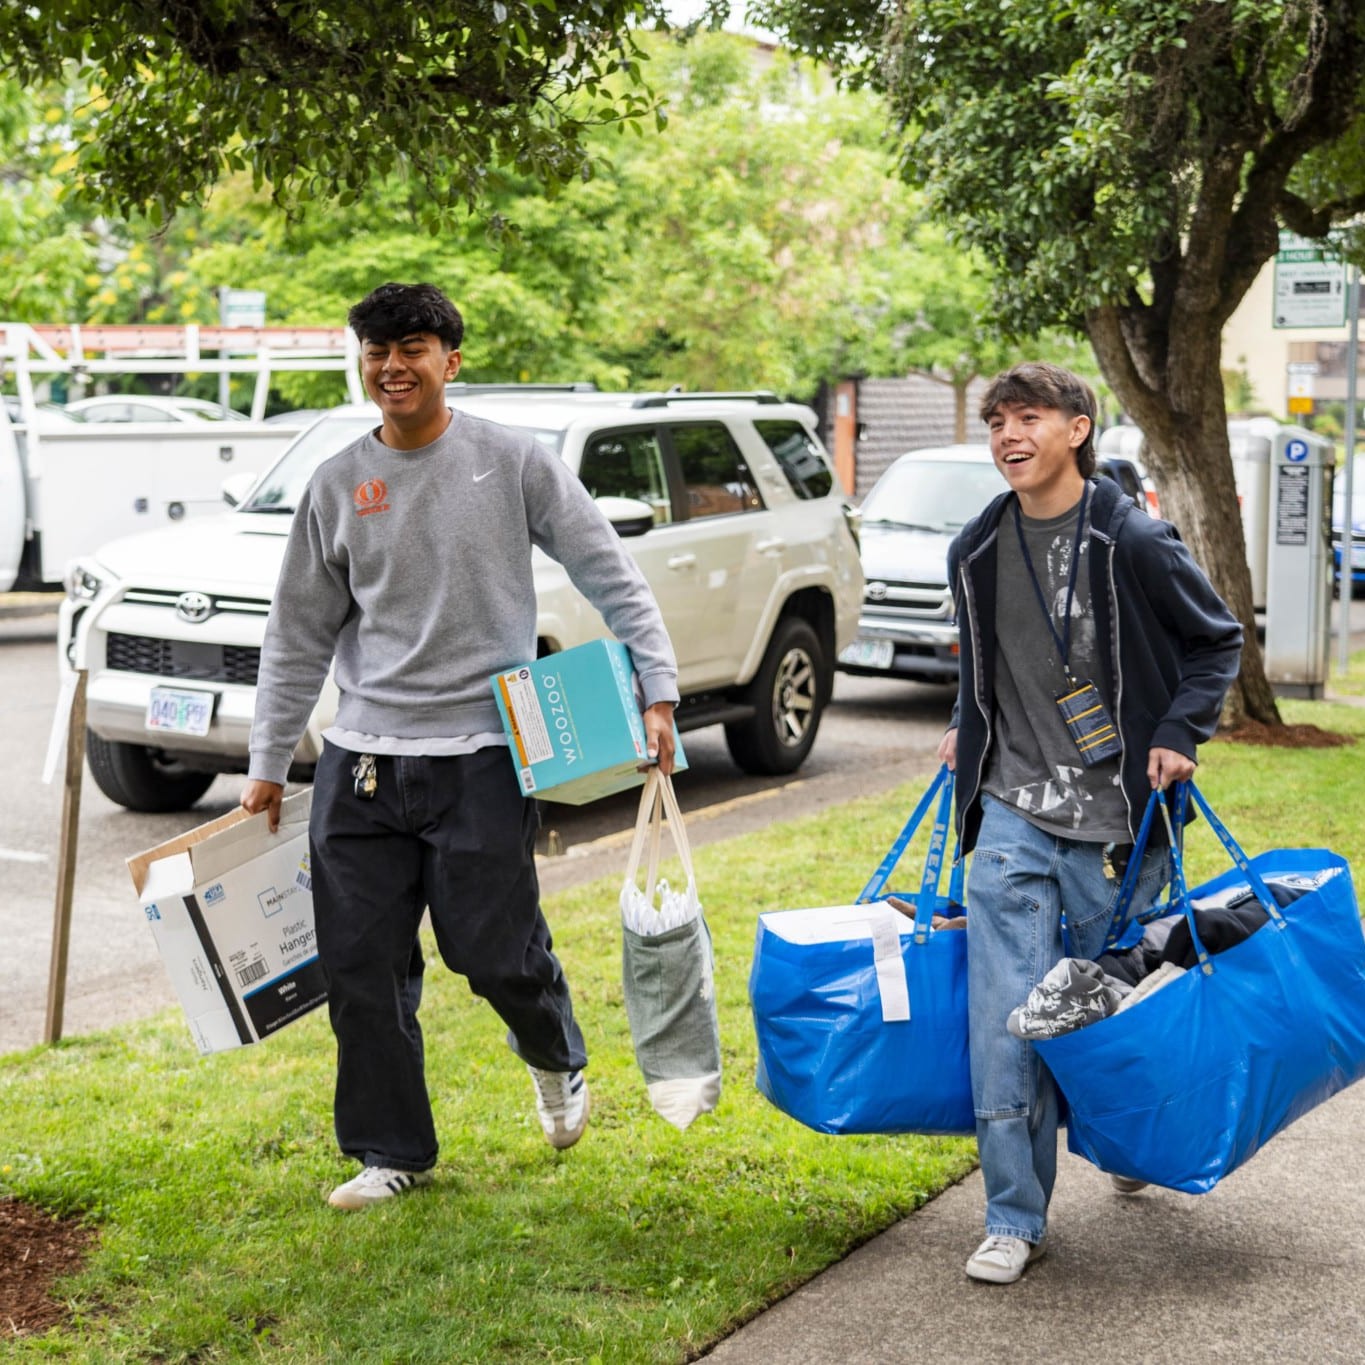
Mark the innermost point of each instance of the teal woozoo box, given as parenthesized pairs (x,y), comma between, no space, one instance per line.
(573,724)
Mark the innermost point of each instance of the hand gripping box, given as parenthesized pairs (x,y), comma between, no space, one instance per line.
(574,725)
(231,908)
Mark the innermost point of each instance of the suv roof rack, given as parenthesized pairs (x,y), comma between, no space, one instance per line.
(662,400)
(579,386)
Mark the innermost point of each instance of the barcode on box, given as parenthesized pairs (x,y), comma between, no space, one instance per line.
(252,972)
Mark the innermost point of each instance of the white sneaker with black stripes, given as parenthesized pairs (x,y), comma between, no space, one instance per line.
(373,1184)
(562,1103)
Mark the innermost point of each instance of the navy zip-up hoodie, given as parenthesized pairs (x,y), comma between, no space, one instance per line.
(1169,646)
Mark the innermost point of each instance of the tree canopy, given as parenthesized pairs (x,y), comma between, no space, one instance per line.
(314,101)
(759,241)
(1125,167)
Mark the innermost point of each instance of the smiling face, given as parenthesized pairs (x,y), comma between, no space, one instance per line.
(1034,447)
(407,378)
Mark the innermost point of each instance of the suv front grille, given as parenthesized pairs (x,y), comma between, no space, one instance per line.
(910,599)
(218,602)
(183,659)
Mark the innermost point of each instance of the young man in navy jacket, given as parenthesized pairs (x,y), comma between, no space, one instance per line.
(1095,659)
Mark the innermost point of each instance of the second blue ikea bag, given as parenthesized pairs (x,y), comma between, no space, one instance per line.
(1189,1083)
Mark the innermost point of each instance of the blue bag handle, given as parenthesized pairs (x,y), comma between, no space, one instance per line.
(942,785)
(1180,899)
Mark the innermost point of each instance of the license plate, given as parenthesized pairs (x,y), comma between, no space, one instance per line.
(172,711)
(868,653)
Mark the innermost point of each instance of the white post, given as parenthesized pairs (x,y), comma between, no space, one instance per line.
(1348,488)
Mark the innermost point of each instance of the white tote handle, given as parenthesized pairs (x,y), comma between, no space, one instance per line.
(657,800)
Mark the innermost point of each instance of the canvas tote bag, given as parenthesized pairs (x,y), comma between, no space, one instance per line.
(667,968)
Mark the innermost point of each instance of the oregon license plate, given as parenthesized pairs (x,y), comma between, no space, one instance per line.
(176,712)
(868,653)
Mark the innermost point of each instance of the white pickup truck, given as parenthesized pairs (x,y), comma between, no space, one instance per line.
(728,503)
(64,489)
(67,487)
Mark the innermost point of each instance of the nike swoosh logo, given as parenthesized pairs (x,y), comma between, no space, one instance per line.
(478,478)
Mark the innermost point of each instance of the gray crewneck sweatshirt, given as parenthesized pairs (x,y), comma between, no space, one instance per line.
(413,569)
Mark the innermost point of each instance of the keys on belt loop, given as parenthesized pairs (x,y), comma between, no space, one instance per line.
(366,777)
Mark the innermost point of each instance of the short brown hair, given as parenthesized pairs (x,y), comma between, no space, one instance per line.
(1035,383)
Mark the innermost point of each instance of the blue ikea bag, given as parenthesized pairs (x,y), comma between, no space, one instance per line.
(861,1012)
(1192,1081)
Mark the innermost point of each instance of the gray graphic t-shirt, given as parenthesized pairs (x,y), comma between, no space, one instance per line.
(1033,764)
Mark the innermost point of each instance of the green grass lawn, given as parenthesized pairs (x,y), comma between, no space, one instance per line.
(1353,683)
(206,1177)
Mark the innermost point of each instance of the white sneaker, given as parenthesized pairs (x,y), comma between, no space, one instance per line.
(1126,1184)
(562,1103)
(373,1184)
(1002,1260)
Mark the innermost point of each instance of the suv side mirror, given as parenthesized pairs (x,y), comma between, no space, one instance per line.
(235,487)
(629,516)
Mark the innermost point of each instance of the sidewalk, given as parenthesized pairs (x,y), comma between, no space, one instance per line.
(1269,1266)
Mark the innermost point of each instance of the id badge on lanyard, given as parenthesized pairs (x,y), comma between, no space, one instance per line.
(1084,714)
(1088,723)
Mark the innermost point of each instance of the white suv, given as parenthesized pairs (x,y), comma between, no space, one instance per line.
(727,502)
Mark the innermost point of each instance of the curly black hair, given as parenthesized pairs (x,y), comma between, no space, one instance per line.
(395,311)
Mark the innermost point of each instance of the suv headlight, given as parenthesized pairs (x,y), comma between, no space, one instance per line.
(83,581)
(853,516)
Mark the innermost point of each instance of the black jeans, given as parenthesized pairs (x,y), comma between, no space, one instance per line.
(454,835)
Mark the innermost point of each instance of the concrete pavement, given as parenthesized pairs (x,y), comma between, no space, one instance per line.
(1269,1266)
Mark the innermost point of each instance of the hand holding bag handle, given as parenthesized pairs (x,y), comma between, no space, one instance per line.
(1180,900)
(942,786)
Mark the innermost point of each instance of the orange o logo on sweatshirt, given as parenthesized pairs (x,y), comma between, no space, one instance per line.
(371,496)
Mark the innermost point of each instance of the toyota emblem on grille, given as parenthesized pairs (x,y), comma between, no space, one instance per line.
(876,592)
(193,607)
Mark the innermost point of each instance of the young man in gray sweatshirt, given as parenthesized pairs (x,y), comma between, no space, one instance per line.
(408,568)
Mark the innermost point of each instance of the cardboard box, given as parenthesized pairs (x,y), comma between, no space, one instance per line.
(574,725)
(231,908)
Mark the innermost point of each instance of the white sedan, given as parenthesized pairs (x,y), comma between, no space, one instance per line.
(139,407)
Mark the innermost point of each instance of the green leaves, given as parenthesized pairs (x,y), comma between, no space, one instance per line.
(301,96)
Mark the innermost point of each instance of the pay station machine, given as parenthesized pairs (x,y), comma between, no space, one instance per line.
(1298,562)
(1284,488)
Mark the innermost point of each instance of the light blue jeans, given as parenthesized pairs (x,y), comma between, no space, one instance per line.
(1020,882)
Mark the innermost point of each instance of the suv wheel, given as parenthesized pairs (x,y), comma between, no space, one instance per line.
(789,693)
(143,779)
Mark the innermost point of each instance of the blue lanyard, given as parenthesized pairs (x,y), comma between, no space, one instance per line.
(1063,641)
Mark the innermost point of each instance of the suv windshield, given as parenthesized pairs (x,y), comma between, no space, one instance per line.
(933,495)
(283,486)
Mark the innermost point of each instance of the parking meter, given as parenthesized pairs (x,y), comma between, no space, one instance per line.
(1299,563)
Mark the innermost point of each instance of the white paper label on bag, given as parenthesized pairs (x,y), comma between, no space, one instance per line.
(891,983)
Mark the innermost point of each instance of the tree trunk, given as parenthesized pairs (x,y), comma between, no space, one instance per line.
(1185,425)
(960,411)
